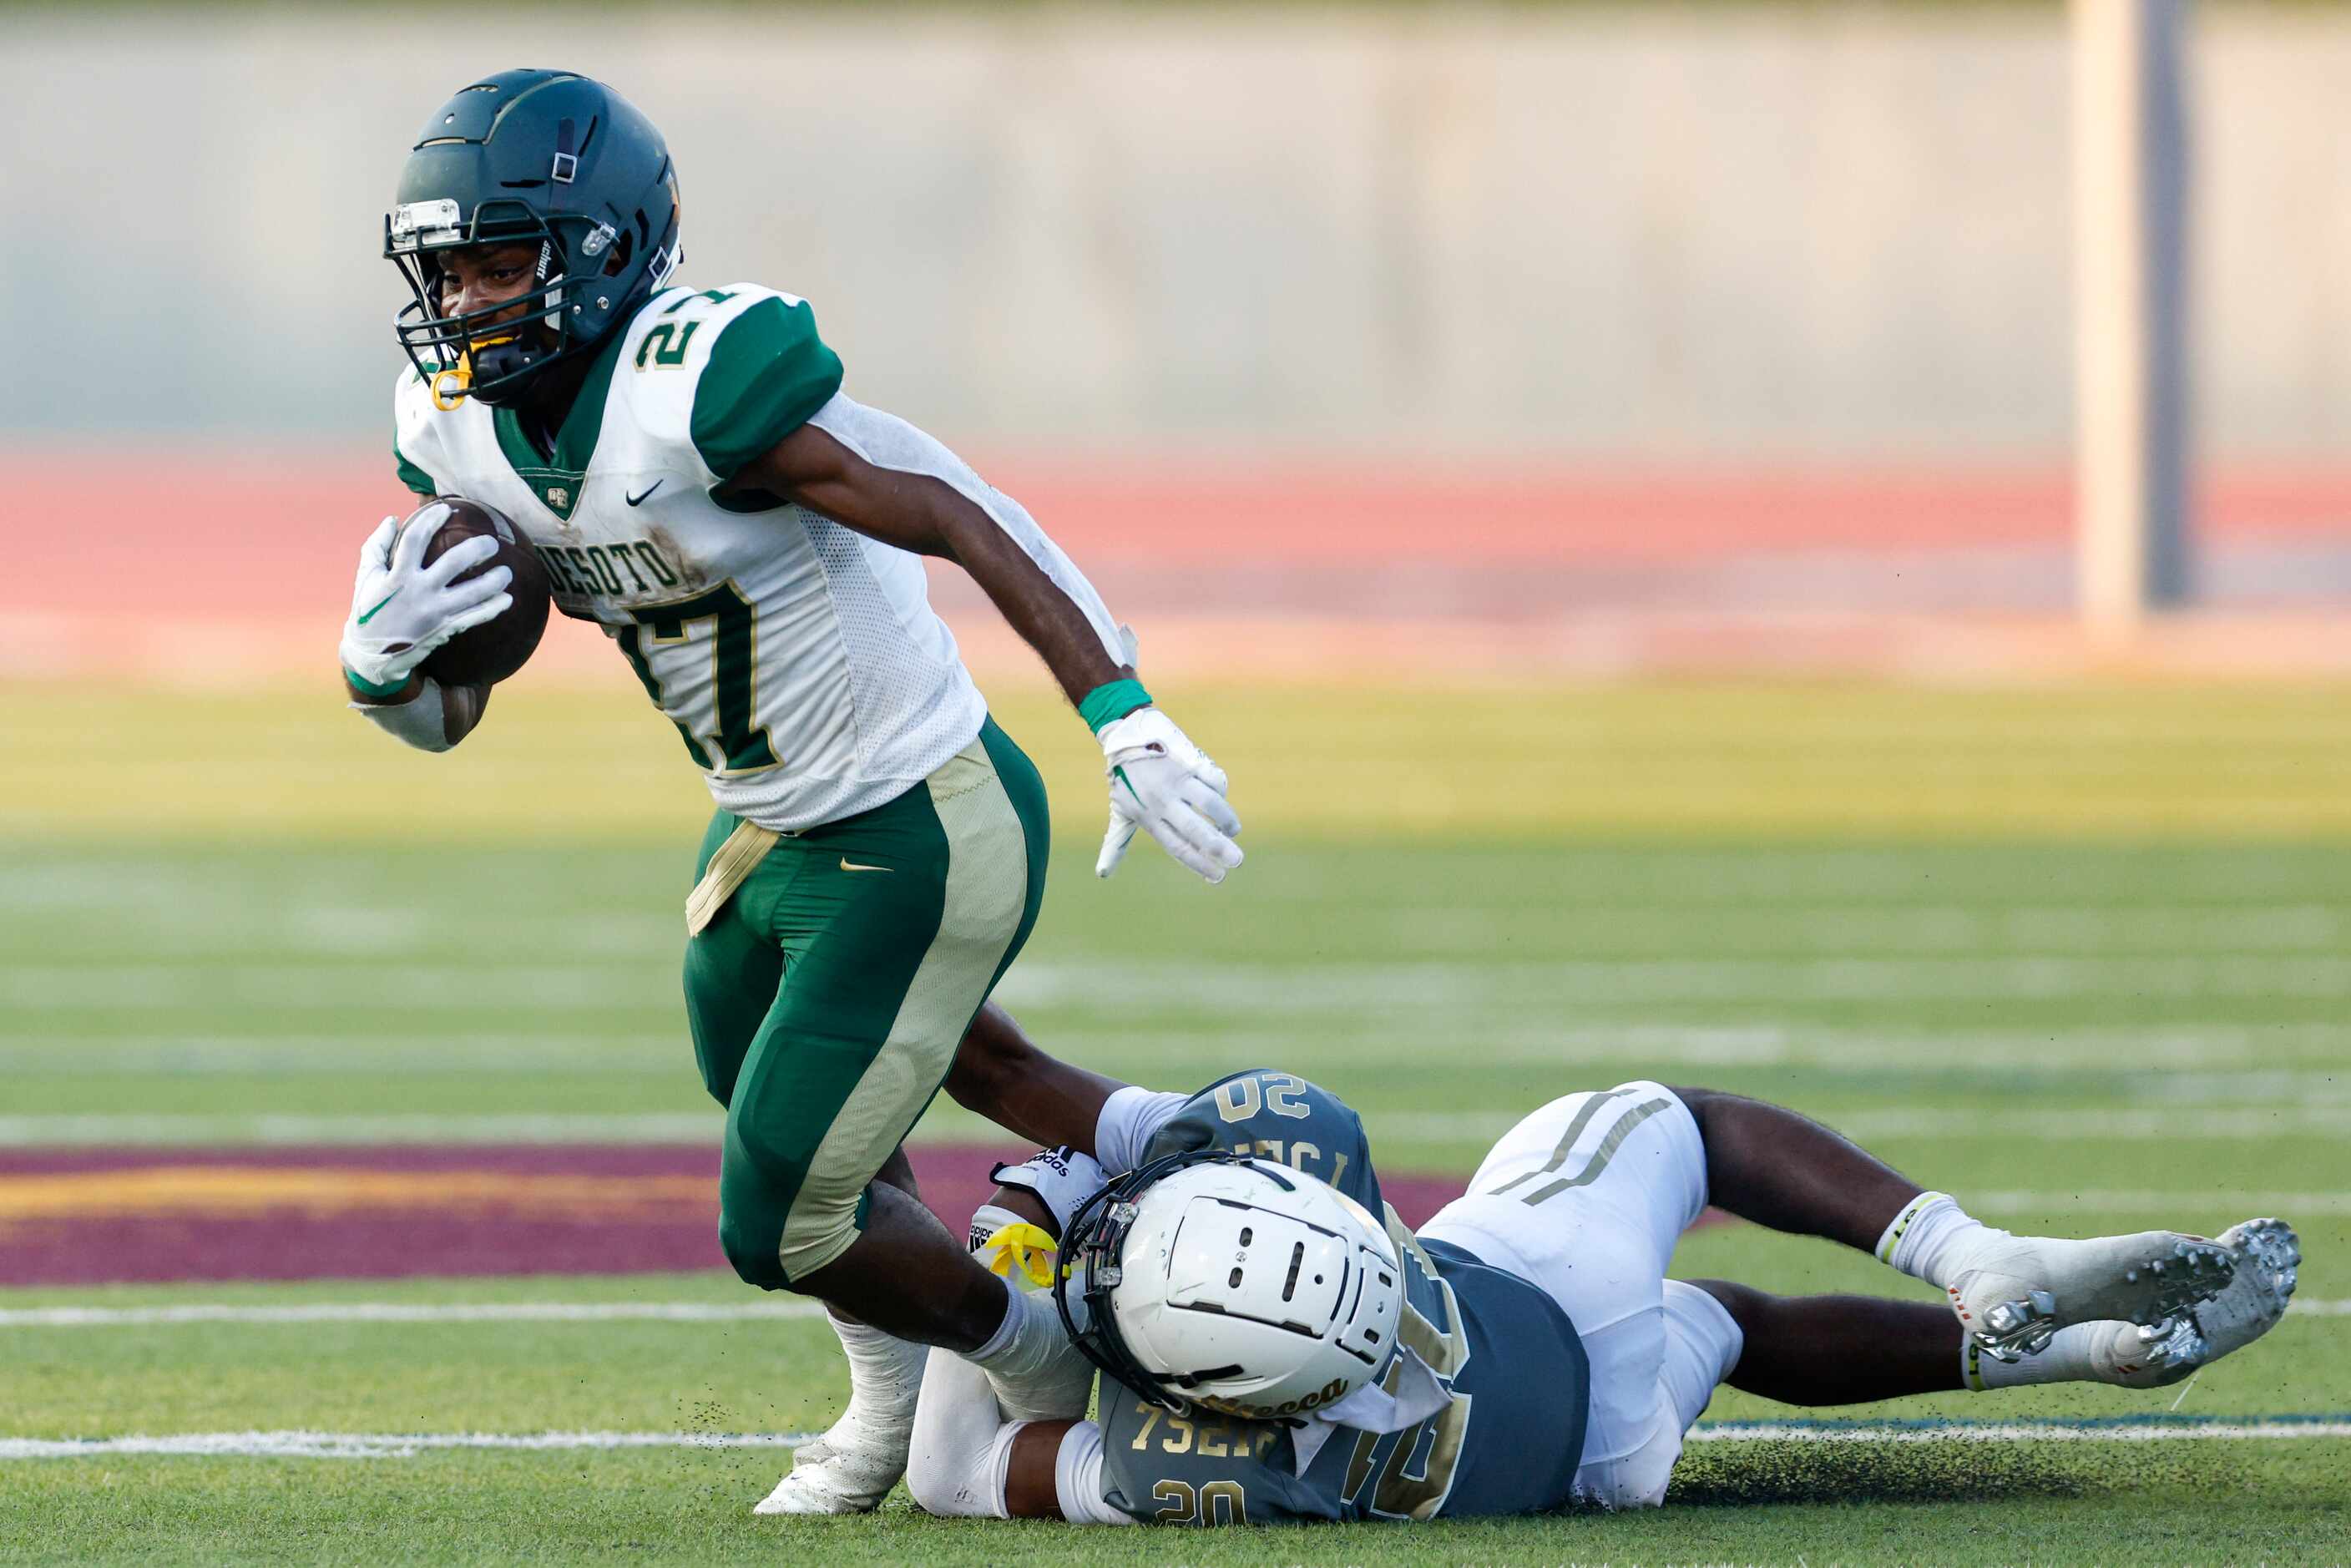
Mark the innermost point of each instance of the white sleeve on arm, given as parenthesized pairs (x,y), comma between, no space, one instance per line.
(1078,1478)
(1130,1119)
(423,722)
(962,1446)
(962,1450)
(888,442)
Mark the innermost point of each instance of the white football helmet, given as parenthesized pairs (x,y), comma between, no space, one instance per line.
(1232,1282)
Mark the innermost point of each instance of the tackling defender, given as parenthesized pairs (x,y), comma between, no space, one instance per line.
(687,466)
(1277,1346)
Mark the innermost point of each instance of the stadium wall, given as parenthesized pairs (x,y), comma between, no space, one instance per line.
(1543,339)
(1812,234)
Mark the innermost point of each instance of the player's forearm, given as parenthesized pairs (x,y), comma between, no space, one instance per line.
(1047,618)
(956,1467)
(875,473)
(1000,1074)
(424,714)
(967,1461)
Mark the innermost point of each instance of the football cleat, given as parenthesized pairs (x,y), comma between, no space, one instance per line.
(2016,1292)
(2269,1256)
(853,1465)
(849,1469)
(2269,1262)
(2131,1357)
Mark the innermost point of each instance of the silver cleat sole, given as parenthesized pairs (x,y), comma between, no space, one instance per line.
(2173,1349)
(2272,1248)
(2165,1281)
(2269,1256)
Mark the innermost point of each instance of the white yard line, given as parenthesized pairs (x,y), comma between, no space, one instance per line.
(620,1127)
(2137,1200)
(1427,987)
(307,1445)
(1446,989)
(2018,1432)
(1526,1027)
(413,1312)
(2128,1124)
(300,1444)
(75,1317)
(947,1122)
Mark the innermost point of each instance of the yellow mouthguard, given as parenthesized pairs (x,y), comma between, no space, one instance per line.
(451,385)
(1023,1250)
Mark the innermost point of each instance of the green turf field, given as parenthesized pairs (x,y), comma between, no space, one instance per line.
(2081,956)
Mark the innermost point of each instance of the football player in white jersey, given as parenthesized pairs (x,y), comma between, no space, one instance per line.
(686,465)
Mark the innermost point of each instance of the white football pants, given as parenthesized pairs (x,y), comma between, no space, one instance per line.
(1585,1199)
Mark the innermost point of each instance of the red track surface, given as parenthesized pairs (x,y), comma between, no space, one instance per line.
(83,1216)
(209,536)
(232,570)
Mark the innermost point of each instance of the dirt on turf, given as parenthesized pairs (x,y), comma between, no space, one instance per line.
(76,1217)
(1747,1474)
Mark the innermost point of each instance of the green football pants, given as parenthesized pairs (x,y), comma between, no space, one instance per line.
(828,995)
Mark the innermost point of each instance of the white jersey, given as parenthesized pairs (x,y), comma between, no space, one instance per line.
(801,661)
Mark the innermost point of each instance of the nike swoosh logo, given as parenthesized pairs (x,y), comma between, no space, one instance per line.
(378,604)
(639,499)
(848,864)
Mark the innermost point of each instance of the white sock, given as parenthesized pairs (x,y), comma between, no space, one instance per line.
(1022,1341)
(1064,1387)
(2067,1359)
(1929,1238)
(885,1373)
(1038,1374)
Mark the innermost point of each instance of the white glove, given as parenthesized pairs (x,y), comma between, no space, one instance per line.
(1161,782)
(1060,1178)
(401,610)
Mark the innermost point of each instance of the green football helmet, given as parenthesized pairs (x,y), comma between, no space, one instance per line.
(538,156)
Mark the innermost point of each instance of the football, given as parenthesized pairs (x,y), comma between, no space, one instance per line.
(496,649)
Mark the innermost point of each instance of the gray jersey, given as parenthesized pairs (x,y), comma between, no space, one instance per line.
(1506,1442)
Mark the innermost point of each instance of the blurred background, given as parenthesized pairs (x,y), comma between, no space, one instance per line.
(1608,481)
(1580,339)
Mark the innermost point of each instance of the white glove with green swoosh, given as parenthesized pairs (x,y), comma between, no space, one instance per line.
(401,608)
(1161,783)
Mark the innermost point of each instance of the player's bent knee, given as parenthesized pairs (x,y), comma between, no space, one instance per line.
(814,1237)
(930,1484)
(752,1214)
(940,1486)
(751,1247)
(960,1474)
(1636,1480)
(1695,1100)
(1745,1303)
(1681,1124)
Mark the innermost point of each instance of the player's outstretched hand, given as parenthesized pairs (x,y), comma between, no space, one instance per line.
(401,608)
(1161,783)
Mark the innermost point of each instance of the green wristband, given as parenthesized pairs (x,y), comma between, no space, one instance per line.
(1112,701)
(370,689)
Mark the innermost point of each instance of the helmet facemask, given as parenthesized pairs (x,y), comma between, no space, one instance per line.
(1281,1355)
(1091,1246)
(490,353)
